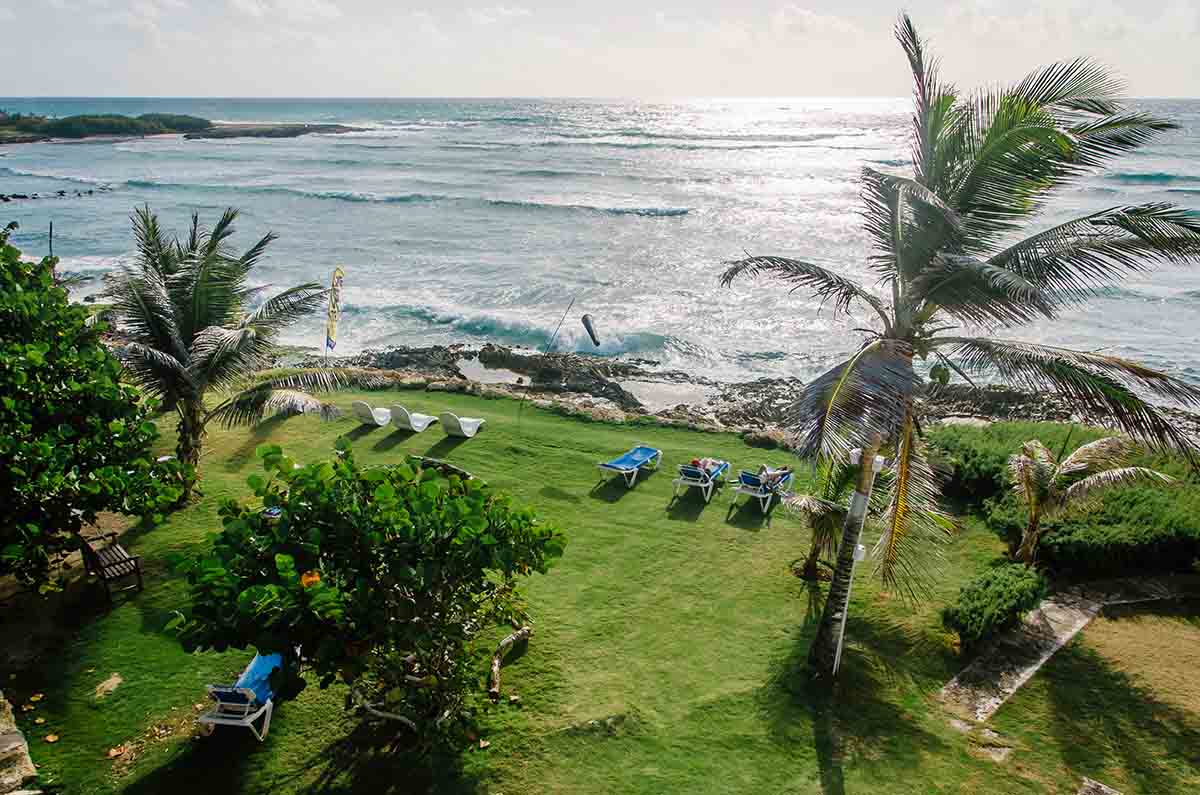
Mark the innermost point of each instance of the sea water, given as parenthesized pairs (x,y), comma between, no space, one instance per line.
(482,220)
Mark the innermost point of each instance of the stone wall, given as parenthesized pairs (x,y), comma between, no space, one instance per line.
(16,768)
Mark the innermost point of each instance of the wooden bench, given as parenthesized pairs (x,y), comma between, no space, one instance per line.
(110,561)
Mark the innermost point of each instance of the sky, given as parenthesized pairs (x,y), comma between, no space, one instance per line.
(534,48)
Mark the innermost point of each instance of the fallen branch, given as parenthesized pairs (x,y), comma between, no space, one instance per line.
(498,658)
(374,709)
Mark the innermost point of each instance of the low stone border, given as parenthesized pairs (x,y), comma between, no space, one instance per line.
(991,679)
(16,768)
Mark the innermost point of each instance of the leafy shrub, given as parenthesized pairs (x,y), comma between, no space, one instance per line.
(1135,529)
(175,122)
(975,460)
(74,440)
(385,577)
(994,601)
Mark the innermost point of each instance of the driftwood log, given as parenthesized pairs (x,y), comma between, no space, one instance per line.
(498,659)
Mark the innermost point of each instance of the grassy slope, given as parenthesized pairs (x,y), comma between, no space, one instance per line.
(686,627)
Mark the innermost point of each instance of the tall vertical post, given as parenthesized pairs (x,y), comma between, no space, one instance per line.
(824,656)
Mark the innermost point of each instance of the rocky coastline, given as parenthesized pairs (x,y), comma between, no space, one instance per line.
(632,389)
(220,130)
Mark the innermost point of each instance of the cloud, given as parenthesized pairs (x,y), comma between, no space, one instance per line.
(494,14)
(792,20)
(297,11)
(6,14)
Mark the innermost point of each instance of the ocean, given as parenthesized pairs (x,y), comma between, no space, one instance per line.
(481,220)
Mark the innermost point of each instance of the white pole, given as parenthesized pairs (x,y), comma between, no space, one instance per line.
(859,504)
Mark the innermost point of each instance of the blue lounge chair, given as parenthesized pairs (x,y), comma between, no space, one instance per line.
(706,480)
(248,699)
(752,485)
(633,462)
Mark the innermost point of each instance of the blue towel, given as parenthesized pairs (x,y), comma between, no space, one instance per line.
(633,459)
(706,475)
(256,677)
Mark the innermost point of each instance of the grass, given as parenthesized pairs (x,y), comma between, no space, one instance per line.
(678,629)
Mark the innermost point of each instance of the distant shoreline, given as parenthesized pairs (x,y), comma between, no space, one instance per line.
(281,130)
(11,135)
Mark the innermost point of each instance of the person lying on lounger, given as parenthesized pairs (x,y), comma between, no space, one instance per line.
(771,477)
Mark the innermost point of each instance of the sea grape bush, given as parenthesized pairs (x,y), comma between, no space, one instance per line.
(74,440)
(383,577)
(994,601)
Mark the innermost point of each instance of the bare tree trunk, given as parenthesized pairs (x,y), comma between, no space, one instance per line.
(1027,553)
(823,652)
(498,658)
(191,437)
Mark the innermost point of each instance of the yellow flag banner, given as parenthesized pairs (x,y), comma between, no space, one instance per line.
(335,309)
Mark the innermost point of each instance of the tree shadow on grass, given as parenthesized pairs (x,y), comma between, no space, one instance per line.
(258,434)
(555,493)
(393,440)
(353,763)
(850,723)
(1157,744)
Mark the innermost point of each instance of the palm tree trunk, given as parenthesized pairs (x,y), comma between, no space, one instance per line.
(191,438)
(809,570)
(822,654)
(1027,553)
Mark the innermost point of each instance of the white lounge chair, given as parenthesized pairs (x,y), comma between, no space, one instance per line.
(411,420)
(370,416)
(454,425)
(250,698)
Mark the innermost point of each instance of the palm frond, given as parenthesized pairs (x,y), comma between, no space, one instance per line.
(154,250)
(1085,492)
(223,357)
(913,192)
(1099,385)
(1098,141)
(934,101)
(1111,451)
(155,371)
(252,405)
(285,308)
(1073,258)
(849,405)
(975,291)
(915,529)
(823,283)
(143,303)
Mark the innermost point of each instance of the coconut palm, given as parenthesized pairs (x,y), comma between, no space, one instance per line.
(1048,487)
(195,332)
(952,253)
(824,512)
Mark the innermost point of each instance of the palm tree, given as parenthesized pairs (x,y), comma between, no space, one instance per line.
(1048,487)
(193,329)
(948,250)
(824,512)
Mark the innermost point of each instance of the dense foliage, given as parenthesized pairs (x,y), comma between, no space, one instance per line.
(994,601)
(1133,529)
(104,124)
(384,578)
(74,440)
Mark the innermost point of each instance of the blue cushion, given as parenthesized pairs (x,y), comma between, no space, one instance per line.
(256,677)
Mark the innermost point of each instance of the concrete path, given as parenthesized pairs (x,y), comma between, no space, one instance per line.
(991,679)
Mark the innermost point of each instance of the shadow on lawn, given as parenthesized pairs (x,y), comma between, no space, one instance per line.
(849,723)
(350,764)
(1157,744)
(687,507)
(748,516)
(393,440)
(612,489)
(445,447)
(258,434)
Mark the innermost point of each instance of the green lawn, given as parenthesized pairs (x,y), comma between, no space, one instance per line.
(683,627)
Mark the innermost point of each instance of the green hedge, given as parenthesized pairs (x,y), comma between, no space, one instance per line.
(1137,529)
(113,124)
(994,601)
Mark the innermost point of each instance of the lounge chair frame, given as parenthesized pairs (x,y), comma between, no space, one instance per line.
(707,483)
(370,416)
(764,494)
(462,427)
(238,706)
(631,474)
